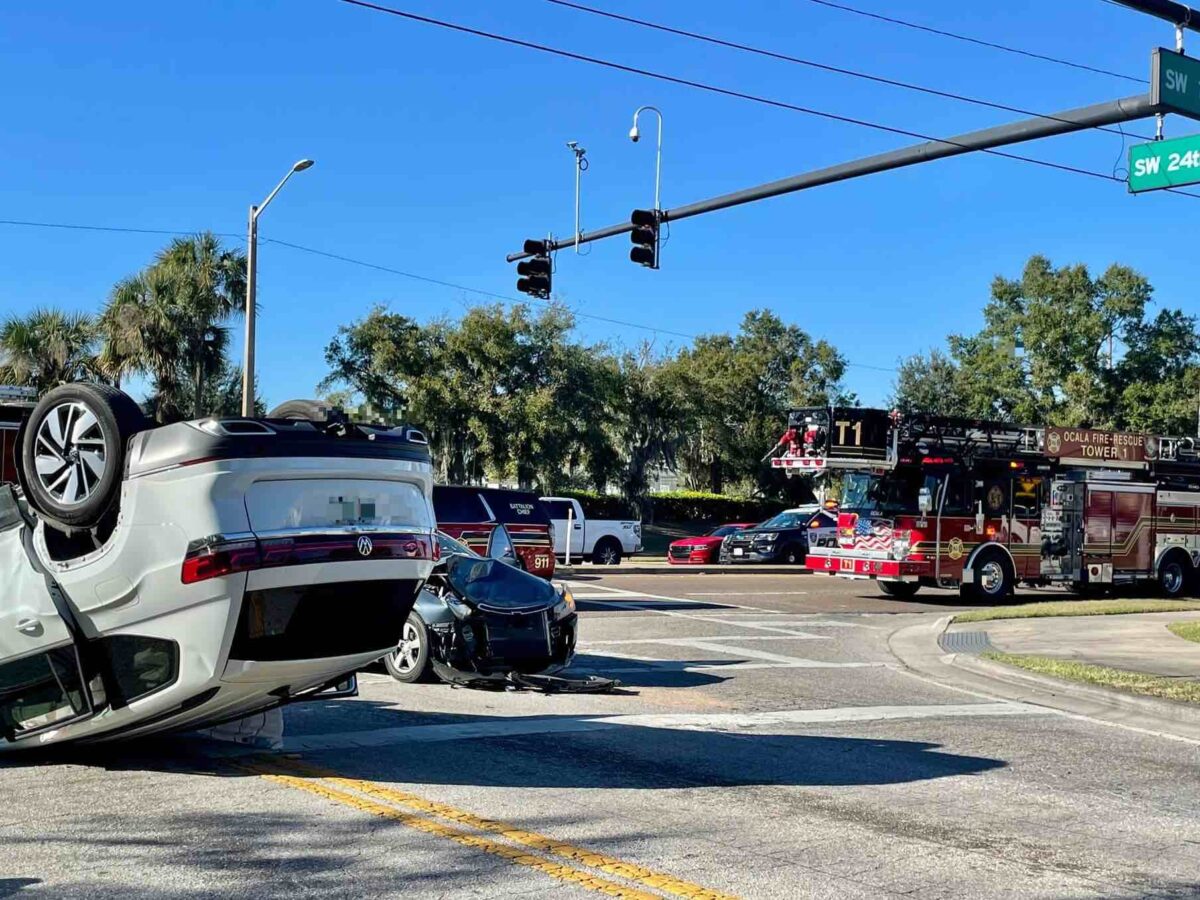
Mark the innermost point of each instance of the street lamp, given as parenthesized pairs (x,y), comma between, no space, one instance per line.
(634,135)
(251,272)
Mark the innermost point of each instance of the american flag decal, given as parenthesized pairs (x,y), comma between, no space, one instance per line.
(872,534)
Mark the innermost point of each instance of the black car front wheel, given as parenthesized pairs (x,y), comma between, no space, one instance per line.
(409,662)
(793,554)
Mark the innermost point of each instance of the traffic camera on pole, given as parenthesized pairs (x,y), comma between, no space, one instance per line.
(645,237)
(535,272)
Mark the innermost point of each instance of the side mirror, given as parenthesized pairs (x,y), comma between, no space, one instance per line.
(925,501)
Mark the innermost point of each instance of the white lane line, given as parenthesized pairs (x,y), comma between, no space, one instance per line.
(747,593)
(799,636)
(790,661)
(718,722)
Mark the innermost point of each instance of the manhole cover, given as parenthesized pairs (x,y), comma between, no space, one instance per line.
(964,641)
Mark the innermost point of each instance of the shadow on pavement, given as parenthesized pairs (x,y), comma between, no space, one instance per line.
(649,673)
(570,751)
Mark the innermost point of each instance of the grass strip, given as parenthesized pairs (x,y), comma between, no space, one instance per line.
(1119,679)
(1078,608)
(1189,631)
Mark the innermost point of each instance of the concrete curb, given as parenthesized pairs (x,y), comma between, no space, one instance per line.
(668,569)
(916,647)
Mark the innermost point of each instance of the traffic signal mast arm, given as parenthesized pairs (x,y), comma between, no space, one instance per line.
(1101,114)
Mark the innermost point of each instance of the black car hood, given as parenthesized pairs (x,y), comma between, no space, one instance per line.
(497,585)
(754,532)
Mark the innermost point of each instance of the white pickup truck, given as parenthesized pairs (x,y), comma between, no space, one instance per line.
(601,541)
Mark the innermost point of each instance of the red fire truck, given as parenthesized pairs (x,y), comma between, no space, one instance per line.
(15,404)
(981,506)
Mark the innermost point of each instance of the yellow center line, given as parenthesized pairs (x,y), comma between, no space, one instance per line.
(430,826)
(602,862)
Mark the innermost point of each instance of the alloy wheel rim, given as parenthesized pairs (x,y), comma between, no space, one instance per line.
(405,657)
(991,577)
(608,556)
(70,454)
(1173,577)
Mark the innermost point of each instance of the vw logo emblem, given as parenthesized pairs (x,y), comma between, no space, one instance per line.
(365,547)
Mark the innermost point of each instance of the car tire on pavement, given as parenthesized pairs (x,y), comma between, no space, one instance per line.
(409,662)
(900,590)
(73,452)
(1175,574)
(793,554)
(607,553)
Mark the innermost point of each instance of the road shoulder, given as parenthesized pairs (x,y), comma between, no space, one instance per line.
(918,650)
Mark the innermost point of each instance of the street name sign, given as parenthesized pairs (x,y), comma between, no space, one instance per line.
(1175,82)
(1164,164)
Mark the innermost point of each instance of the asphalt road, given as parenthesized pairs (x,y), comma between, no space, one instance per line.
(765,744)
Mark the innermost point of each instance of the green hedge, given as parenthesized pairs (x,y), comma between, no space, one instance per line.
(715,509)
(679,506)
(600,506)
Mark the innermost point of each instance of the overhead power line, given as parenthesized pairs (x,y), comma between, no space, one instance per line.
(369,265)
(813,64)
(76,227)
(725,92)
(973,40)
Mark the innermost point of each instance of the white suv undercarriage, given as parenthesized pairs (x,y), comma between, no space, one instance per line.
(153,579)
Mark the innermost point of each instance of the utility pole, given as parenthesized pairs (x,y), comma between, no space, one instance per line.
(252,287)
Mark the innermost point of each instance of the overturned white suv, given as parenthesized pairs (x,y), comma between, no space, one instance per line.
(158,578)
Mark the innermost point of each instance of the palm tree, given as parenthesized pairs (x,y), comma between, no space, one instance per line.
(46,348)
(169,322)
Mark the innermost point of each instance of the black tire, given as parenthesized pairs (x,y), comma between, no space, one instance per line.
(607,553)
(900,590)
(793,554)
(994,579)
(307,411)
(406,664)
(1175,574)
(73,452)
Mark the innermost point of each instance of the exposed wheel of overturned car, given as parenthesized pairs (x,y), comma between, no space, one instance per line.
(73,451)
(409,662)
(307,410)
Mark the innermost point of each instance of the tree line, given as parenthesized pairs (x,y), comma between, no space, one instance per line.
(170,323)
(1061,347)
(509,393)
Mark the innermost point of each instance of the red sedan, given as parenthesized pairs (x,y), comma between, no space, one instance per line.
(698,551)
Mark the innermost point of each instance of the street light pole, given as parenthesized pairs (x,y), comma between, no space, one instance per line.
(251,287)
(634,134)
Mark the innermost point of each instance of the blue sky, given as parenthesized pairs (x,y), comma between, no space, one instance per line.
(437,153)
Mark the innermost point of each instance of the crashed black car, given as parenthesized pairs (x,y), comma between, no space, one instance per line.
(482,619)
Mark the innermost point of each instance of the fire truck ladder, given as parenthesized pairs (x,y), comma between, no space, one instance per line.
(970,438)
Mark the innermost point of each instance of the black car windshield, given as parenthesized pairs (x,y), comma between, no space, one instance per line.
(450,547)
(897,492)
(723,530)
(788,520)
(490,582)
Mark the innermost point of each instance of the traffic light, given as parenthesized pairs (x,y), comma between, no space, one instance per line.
(535,273)
(644,237)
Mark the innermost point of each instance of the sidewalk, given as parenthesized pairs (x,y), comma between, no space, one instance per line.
(950,654)
(1136,643)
